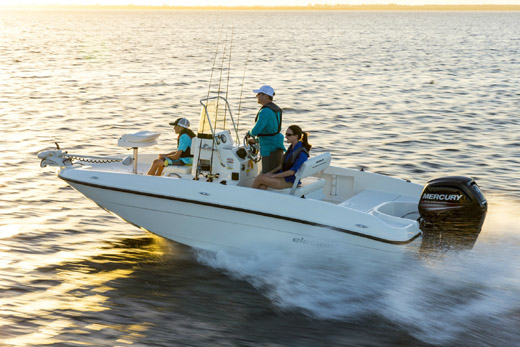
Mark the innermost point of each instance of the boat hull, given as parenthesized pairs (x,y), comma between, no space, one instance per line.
(215,217)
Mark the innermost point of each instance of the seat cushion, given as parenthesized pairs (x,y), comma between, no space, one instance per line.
(175,169)
(307,185)
(366,200)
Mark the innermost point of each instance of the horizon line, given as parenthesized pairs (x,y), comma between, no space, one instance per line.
(315,7)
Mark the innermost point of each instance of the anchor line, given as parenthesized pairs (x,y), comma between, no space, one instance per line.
(91,160)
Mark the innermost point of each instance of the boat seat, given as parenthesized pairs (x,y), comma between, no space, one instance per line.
(367,200)
(308,175)
(173,170)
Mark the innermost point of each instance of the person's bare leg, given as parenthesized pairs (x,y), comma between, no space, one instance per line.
(273,182)
(257,182)
(159,170)
(157,163)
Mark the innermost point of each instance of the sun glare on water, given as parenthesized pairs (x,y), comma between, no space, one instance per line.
(9,230)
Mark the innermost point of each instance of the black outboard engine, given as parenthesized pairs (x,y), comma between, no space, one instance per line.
(452,212)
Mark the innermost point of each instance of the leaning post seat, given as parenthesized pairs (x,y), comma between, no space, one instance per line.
(313,166)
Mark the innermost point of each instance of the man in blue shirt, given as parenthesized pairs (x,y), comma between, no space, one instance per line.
(267,129)
(181,156)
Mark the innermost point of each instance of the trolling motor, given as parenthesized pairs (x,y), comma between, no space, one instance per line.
(61,158)
(54,157)
(452,212)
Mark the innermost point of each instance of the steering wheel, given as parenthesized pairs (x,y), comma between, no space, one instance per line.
(252,149)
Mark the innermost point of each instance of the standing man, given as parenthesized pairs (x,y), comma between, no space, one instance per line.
(267,128)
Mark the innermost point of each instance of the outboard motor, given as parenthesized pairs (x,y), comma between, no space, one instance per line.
(452,212)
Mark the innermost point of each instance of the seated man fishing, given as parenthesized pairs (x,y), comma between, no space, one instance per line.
(181,156)
(283,176)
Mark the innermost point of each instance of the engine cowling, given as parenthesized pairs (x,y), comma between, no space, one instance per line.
(452,212)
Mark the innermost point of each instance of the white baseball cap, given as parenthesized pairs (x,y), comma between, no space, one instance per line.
(182,122)
(265,89)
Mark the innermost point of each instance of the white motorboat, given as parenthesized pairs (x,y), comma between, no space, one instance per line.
(211,206)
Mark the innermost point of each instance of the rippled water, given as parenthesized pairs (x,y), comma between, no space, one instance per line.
(414,95)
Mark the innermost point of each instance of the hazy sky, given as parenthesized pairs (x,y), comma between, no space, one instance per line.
(257,2)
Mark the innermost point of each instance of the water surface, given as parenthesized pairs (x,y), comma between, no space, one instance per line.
(414,95)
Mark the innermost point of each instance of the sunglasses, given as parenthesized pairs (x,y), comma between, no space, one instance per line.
(287,134)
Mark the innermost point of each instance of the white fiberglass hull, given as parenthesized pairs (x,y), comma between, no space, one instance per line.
(214,216)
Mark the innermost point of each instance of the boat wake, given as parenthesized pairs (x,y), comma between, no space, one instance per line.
(465,297)
(459,297)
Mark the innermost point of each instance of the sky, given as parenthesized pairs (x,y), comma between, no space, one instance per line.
(257,2)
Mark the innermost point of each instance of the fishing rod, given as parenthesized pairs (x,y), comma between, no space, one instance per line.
(229,70)
(214,62)
(197,171)
(218,99)
(214,103)
(241,92)
(220,81)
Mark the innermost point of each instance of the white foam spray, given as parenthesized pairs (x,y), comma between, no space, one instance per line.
(469,296)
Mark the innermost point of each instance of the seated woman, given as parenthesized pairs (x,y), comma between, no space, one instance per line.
(284,175)
(182,156)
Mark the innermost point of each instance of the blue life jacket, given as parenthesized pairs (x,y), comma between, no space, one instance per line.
(287,165)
